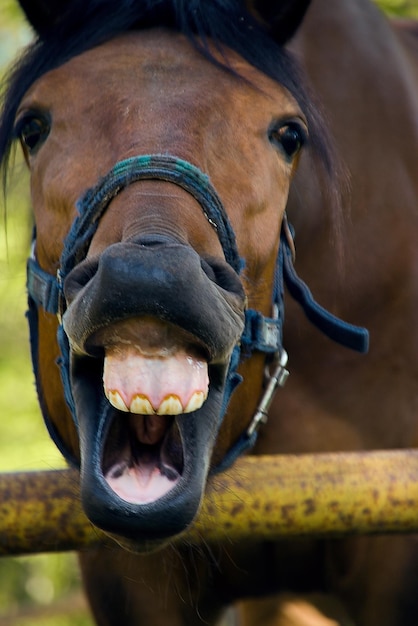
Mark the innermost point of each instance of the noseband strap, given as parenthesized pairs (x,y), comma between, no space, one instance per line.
(147,167)
(260,333)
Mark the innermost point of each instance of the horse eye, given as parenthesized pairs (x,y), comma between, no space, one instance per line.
(32,131)
(290,137)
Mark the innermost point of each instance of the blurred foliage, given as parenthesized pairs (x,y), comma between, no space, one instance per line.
(400,7)
(14,33)
(37,590)
(42,590)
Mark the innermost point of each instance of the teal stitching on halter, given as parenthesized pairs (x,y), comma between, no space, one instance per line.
(148,167)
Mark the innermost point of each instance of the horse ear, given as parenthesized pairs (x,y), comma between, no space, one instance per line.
(43,15)
(282,17)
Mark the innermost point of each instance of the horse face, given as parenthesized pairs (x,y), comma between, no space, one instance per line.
(154,310)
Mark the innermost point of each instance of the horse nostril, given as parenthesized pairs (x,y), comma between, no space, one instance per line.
(79,277)
(223,275)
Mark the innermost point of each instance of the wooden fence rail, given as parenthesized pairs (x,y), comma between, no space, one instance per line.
(268,496)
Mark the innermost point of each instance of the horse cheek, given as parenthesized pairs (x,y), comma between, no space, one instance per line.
(50,380)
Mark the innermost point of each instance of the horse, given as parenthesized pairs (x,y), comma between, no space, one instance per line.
(176,152)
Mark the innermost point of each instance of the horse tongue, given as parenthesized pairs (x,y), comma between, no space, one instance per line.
(162,384)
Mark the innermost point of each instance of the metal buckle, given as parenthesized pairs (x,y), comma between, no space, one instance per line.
(275,380)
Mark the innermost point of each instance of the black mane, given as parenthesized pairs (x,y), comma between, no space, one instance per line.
(88,24)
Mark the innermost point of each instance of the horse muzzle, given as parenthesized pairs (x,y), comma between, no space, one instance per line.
(151,327)
(159,278)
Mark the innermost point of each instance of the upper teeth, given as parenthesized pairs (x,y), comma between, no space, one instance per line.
(154,385)
(171,404)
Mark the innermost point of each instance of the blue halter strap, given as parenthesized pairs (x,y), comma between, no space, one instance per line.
(261,333)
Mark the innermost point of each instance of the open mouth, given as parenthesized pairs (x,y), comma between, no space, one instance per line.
(143,457)
(151,328)
(152,373)
(148,397)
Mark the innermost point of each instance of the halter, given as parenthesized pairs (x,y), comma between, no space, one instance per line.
(261,333)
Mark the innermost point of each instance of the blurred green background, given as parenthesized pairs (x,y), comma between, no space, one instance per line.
(42,590)
(39,590)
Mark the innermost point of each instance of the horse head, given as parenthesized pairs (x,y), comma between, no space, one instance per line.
(161,144)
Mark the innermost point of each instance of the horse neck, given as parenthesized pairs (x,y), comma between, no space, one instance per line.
(350,47)
(368,85)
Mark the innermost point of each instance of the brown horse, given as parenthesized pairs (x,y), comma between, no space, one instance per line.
(162,139)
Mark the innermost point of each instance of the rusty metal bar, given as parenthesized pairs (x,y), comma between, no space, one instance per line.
(267,497)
